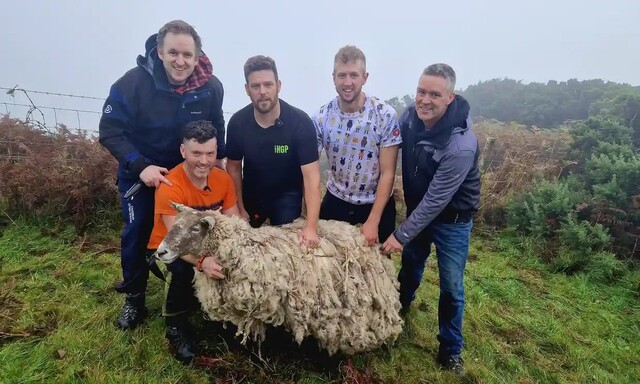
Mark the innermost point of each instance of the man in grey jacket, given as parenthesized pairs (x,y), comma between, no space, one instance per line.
(442,193)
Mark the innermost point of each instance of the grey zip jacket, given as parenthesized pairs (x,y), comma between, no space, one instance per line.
(440,174)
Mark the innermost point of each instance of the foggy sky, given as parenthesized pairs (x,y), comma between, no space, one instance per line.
(82,47)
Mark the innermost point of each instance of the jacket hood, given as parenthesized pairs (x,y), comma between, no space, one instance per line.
(150,56)
(456,118)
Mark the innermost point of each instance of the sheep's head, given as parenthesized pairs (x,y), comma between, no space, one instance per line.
(186,235)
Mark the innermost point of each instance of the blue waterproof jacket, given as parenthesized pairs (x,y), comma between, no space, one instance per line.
(440,172)
(142,117)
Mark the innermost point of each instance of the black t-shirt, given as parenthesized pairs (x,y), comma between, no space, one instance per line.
(272,156)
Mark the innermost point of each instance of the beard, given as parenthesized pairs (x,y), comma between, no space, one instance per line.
(265,106)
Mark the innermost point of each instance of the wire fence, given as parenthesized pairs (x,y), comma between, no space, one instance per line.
(23,104)
(78,113)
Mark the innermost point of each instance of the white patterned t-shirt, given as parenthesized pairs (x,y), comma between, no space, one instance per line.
(352,142)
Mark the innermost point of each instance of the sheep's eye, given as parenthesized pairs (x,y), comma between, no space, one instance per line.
(196,229)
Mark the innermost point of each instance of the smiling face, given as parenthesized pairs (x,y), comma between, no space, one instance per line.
(349,78)
(199,158)
(433,96)
(178,55)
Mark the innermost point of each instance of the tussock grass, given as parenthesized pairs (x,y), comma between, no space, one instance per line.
(523,324)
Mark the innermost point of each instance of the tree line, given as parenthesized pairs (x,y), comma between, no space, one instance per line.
(548,105)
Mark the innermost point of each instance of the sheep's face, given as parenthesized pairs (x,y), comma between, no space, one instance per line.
(186,235)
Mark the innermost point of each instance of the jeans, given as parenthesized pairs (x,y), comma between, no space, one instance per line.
(279,210)
(137,213)
(334,208)
(452,247)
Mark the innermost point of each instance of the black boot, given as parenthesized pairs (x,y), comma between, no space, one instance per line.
(454,364)
(133,311)
(178,333)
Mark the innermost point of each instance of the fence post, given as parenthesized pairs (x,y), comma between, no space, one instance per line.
(488,146)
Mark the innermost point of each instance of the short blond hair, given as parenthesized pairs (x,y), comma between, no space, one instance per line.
(350,53)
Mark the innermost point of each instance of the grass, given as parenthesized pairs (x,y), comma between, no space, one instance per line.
(523,324)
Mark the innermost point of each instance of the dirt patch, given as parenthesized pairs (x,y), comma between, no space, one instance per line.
(277,359)
(423,306)
(533,281)
(353,375)
(10,309)
(511,335)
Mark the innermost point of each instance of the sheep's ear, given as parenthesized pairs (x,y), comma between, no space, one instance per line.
(180,207)
(208,221)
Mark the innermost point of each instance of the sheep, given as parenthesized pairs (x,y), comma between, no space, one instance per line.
(343,293)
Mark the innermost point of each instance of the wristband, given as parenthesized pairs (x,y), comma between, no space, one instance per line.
(199,263)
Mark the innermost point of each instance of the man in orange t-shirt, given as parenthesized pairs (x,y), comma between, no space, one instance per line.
(195,183)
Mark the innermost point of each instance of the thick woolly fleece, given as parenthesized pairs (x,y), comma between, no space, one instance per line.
(343,293)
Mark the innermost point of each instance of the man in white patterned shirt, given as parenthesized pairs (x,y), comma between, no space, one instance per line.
(361,138)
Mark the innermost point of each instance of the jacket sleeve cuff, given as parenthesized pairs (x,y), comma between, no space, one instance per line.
(137,166)
(402,236)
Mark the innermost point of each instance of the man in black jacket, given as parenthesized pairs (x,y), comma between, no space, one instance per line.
(442,193)
(172,85)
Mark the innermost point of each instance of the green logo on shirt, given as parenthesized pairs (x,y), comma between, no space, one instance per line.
(280,149)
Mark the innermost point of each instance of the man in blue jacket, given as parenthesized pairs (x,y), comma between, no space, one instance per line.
(172,85)
(442,192)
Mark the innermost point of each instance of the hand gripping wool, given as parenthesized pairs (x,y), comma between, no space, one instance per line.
(342,293)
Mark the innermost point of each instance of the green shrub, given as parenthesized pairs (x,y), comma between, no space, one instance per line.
(582,236)
(569,261)
(601,267)
(582,249)
(605,267)
(540,212)
(614,150)
(588,134)
(614,177)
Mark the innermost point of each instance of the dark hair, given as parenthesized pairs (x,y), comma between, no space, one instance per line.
(259,63)
(442,70)
(199,130)
(177,27)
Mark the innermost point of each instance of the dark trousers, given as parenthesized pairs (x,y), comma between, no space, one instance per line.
(334,208)
(137,213)
(179,293)
(452,247)
(279,210)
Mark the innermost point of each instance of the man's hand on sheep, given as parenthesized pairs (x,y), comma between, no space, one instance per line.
(211,268)
(370,231)
(153,175)
(309,237)
(244,214)
(391,245)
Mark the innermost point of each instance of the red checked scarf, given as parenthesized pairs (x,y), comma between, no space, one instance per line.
(201,74)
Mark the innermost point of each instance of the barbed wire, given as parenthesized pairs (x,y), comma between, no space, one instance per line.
(33,107)
(54,108)
(10,92)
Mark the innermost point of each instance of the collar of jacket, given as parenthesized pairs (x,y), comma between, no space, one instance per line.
(440,134)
